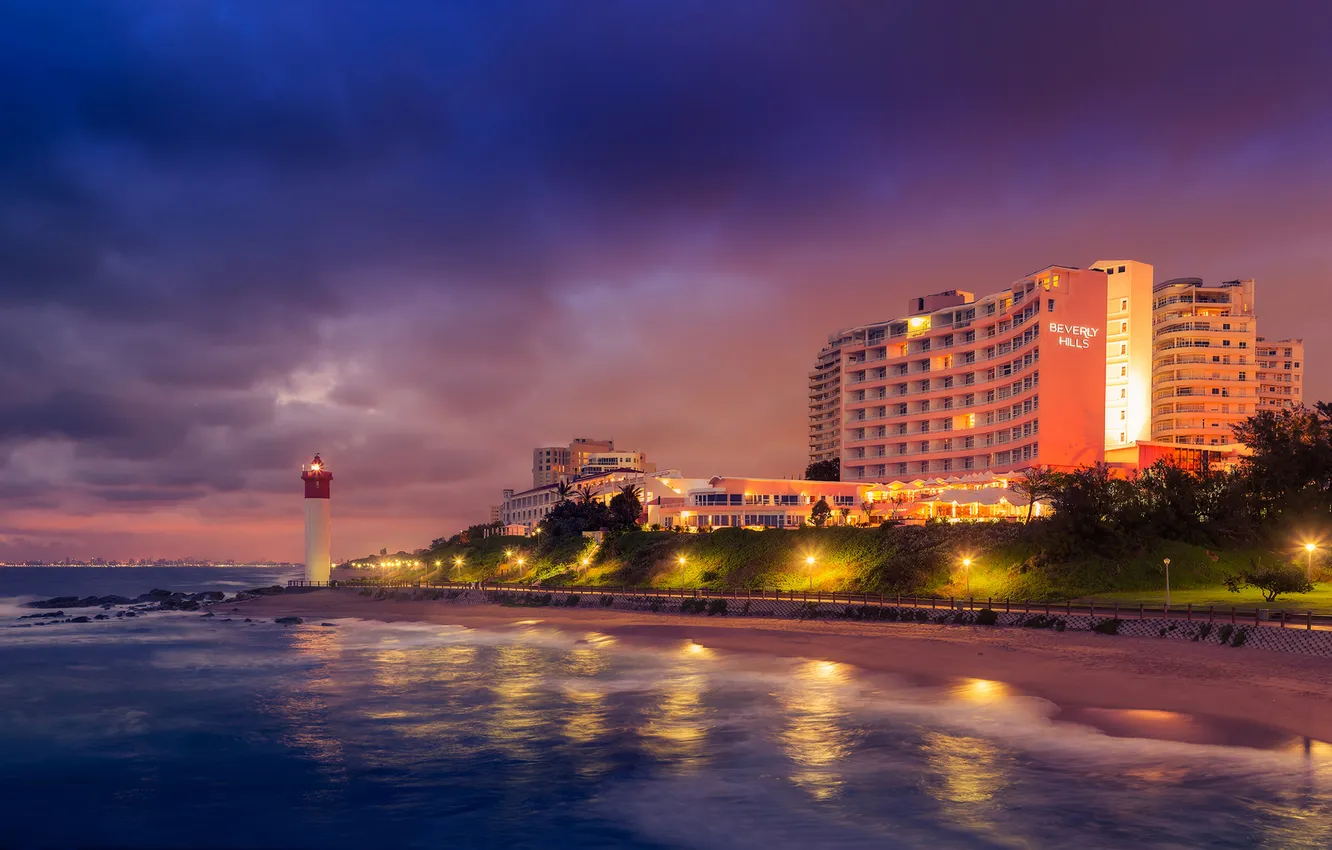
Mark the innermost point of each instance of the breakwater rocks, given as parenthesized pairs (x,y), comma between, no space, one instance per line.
(1219,632)
(121,607)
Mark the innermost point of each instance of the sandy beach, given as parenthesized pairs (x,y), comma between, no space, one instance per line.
(1138,687)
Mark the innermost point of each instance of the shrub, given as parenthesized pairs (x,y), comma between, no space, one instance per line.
(986,617)
(717,606)
(709,575)
(1241,635)
(654,606)
(1203,631)
(693,606)
(922,616)
(1222,634)
(1270,581)
(607,601)
(1106,627)
(571,601)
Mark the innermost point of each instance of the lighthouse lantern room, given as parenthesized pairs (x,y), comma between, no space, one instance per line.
(318,482)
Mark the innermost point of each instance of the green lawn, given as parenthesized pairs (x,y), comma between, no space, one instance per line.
(1319,601)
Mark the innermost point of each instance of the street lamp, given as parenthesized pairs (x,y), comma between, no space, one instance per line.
(457,565)
(966,568)
(1166,561)
(809,562)
(1310,548)
(681,560)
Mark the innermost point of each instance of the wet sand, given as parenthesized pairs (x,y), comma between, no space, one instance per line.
(1125,686)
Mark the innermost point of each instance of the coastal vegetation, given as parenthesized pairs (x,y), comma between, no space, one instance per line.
(1236,536)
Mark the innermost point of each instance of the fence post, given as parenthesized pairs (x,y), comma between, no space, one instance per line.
(1093,609)
(1283,619)
(1068,608)
(1140,607)
(1211,613)
(1189,612)
(1232,614)
(1008,604)
(1308,621)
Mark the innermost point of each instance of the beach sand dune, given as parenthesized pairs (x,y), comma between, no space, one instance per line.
(1092,678)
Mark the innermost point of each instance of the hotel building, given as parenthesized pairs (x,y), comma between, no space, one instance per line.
(583,456)
(526,509)
(740,502)
(825,396)
(1128,352)
(963,385)
(1280,373)
(1205,363)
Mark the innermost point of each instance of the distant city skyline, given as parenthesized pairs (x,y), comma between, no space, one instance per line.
(423,239)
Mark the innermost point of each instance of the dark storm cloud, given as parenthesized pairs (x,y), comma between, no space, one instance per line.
(427,235)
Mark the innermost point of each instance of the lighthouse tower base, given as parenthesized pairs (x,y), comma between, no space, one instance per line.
(318,560)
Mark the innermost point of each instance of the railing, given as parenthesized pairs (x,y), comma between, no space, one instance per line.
(1276,618)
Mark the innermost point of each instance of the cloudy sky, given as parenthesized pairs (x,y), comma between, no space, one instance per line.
(423,237)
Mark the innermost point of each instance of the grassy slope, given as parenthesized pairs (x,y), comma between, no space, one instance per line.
(922,561)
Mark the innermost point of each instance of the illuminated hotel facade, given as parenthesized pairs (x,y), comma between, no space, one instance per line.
(964,385)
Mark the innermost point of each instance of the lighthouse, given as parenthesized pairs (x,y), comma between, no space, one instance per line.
(318,481)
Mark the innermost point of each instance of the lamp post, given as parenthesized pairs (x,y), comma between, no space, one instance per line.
(457,567)
(1310,548)
(1166,561)
(966,568)
(809,562)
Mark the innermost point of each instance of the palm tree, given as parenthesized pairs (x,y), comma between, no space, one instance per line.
(584,493)
(563,490)
(867,508)
(632,491)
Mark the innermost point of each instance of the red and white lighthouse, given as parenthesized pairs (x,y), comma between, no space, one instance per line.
(318,482)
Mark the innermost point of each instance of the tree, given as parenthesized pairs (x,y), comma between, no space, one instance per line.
(824,470)
(626,508)
(1037,482)
(845,513)
(1271,581)
(571,519)
(867,510)
(584,493)
(818,515)
(1290,469)
(563,490)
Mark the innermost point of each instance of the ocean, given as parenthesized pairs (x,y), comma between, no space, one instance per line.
(175,730)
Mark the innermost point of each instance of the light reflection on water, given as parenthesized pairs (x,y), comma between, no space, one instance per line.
(370,734)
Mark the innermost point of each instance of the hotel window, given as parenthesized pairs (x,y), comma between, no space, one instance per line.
(1123,303)
(1123,371)
(1121,269)
(1123,327)
(1049,305)
(1123,393)
(1123,349)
